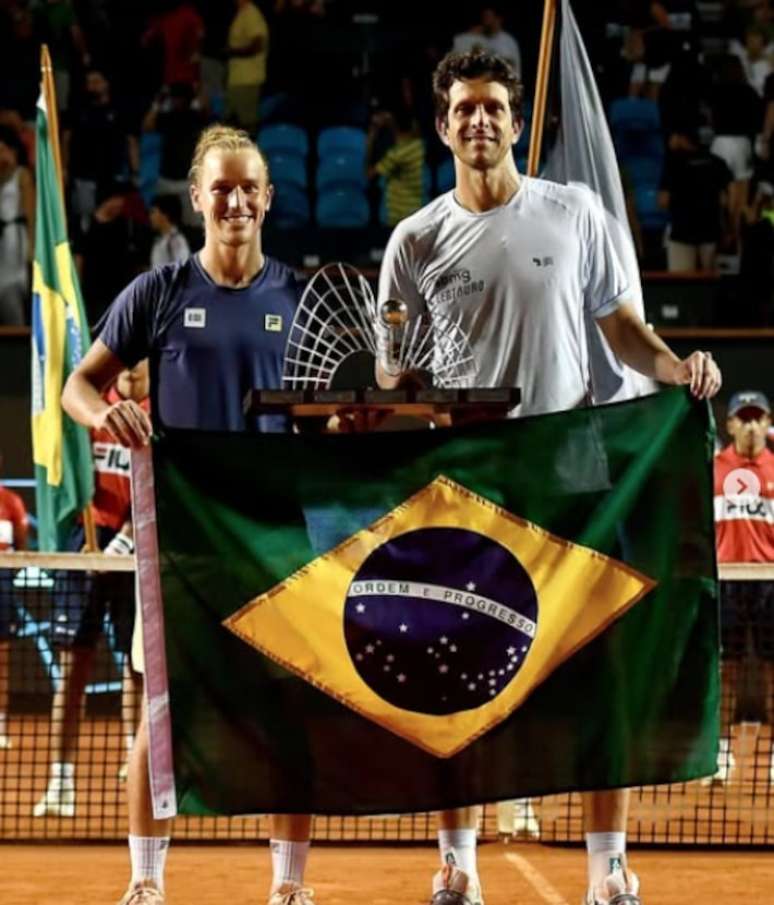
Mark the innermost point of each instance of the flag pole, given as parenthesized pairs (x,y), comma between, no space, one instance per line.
(48,90)
(541,87)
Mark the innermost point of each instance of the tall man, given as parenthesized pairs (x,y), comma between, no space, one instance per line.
(213,327)
(522,261)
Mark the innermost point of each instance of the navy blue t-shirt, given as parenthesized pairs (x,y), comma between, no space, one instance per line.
(207,344)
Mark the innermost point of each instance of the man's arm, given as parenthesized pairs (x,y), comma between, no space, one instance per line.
(82,399)
(641,349)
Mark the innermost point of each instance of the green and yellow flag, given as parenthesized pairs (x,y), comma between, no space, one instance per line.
(402,622)
(60,337)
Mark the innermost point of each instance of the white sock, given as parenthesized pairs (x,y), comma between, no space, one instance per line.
(461,844)
(604,851)
(148,855)
(62,775)
(129,742)
(288,861)
(3,723)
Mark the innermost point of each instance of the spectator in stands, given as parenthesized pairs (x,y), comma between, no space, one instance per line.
(736,118)
(56,24)
(180,30)
(744,528)
(756,270)
(693,189)
(82,598)
(178,116)
(765,142)
(170,245)
(17,215)
(19,61)
(97,148)
(248,51)
(120,222)
(401,167)
(489,34)
(755,55)
(13,536)
(660,33)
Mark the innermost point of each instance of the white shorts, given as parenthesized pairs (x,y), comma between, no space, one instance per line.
(737,152)
(656,75)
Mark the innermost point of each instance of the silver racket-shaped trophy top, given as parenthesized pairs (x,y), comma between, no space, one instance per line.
(339,331)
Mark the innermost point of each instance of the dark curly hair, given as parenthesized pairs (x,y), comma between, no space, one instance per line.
(475,64)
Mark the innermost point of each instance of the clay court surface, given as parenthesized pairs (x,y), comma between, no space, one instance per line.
(236,874)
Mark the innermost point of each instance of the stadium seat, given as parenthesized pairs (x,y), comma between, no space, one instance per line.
(288,168)
(150,163)
(342,208)
(341,169)
(342,140)
(636,127)
(643,171)
(650,215)
(444,176)
(283,138)
(290,208)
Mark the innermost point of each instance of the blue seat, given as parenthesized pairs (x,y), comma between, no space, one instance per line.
(283,138)
(288,168)
(634,114)
(342,208)
(636,127)
(444,176)
(650,215)
(342,140)
(643,171)
(150,164)
(290,208)
(341,170)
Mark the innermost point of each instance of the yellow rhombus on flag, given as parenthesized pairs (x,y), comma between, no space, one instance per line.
(438,620)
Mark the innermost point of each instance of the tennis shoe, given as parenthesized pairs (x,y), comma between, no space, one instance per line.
(58,801)
(5,743)
(452,886)
(726,767)
(145,892)
(292,894)
(620,887)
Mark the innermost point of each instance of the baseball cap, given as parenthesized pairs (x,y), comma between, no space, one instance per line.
(748,399)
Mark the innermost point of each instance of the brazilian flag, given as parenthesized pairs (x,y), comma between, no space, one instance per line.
(60,337)
(415,620)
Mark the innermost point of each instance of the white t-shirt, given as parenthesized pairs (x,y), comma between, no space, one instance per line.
(521,277)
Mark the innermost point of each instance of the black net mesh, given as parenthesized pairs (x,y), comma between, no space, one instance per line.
(69,707)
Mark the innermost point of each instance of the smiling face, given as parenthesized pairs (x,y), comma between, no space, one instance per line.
(479,127)
(232,192)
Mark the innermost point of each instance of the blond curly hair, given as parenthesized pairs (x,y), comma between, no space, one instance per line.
(224,138)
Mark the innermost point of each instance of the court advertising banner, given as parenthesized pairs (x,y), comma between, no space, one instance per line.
(416,620)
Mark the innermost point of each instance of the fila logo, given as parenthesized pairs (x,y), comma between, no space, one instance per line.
(273,323)
(194,317)
(543,262)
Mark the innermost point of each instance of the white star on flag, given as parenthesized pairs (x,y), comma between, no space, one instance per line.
(360,608)
(471,586)
(404,627)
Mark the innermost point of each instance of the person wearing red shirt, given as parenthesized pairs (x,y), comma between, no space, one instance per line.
(180,30)
(81,599)
(13,536)
(744,530)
